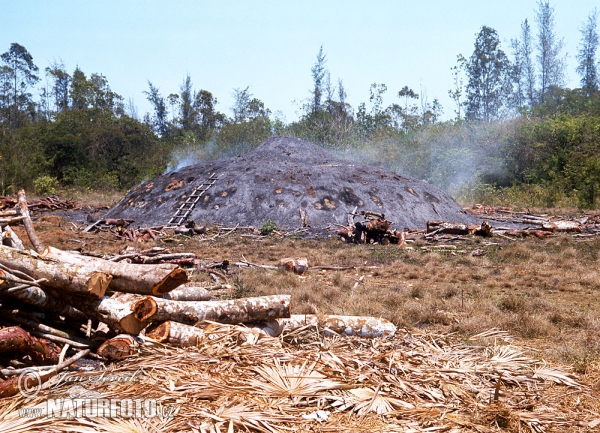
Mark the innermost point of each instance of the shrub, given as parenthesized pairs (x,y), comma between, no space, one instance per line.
(268,227)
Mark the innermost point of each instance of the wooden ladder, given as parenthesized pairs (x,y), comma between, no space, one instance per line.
(186,207)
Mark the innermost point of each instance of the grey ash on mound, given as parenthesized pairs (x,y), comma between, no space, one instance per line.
(280,177)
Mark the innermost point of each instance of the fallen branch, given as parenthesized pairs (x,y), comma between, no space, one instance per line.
(37,245)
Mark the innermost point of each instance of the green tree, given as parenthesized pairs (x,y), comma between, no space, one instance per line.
(60,86)
(186,105)
(587,67)
(159,120)
(523,71)
(488,78)
(457,92)
(318,72)
(18,75)
(378,117)
(551,64)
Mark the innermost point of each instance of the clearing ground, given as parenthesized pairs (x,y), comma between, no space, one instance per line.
(464,313)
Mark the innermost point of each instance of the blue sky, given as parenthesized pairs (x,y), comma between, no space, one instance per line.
(271,45)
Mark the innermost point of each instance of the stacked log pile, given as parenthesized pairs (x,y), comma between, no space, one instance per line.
(52,298)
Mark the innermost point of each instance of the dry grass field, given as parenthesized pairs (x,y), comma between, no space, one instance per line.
(543,294)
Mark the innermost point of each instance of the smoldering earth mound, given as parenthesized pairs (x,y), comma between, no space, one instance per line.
(280,177)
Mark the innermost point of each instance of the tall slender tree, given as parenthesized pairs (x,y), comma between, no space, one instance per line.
(19,74)
(523,68)
(60,86)
(159,120)
(587,67)
(487,73)
(550,62)
(319,72)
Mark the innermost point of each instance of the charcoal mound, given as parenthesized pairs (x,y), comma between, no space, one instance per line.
(280,177)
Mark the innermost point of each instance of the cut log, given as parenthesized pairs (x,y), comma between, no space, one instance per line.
(175,333)
(153,280)
(119,347)
(190,292)
(37,245)
(342,325)
(11,220)
(117,315)
(484,230)
(79,279)
(563,226)
(37,297)
(15,242)
(447,228)
(229,311)
(298,265)
(16,340)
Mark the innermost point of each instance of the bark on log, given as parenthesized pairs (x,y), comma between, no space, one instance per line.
(37,245)
(345,325)
(84,280)
(117,315)
(175,333)
(230,311)
(119,347)
(153,280)
(15,339)
(10,213)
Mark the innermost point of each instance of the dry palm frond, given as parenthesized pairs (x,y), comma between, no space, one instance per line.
(544,373)
(508,357)
(365,400)
(119,425)
(287,380)
(492,333)
(243,416)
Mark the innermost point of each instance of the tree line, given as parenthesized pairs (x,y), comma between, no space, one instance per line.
(516,127)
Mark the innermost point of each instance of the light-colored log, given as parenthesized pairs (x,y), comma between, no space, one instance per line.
(175,333)
(153,280)
(37,297)
(229,311)
(342,325)
(190,292)
(79,279)
(117,315)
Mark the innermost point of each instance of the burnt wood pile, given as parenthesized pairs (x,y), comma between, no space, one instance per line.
(292,182)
